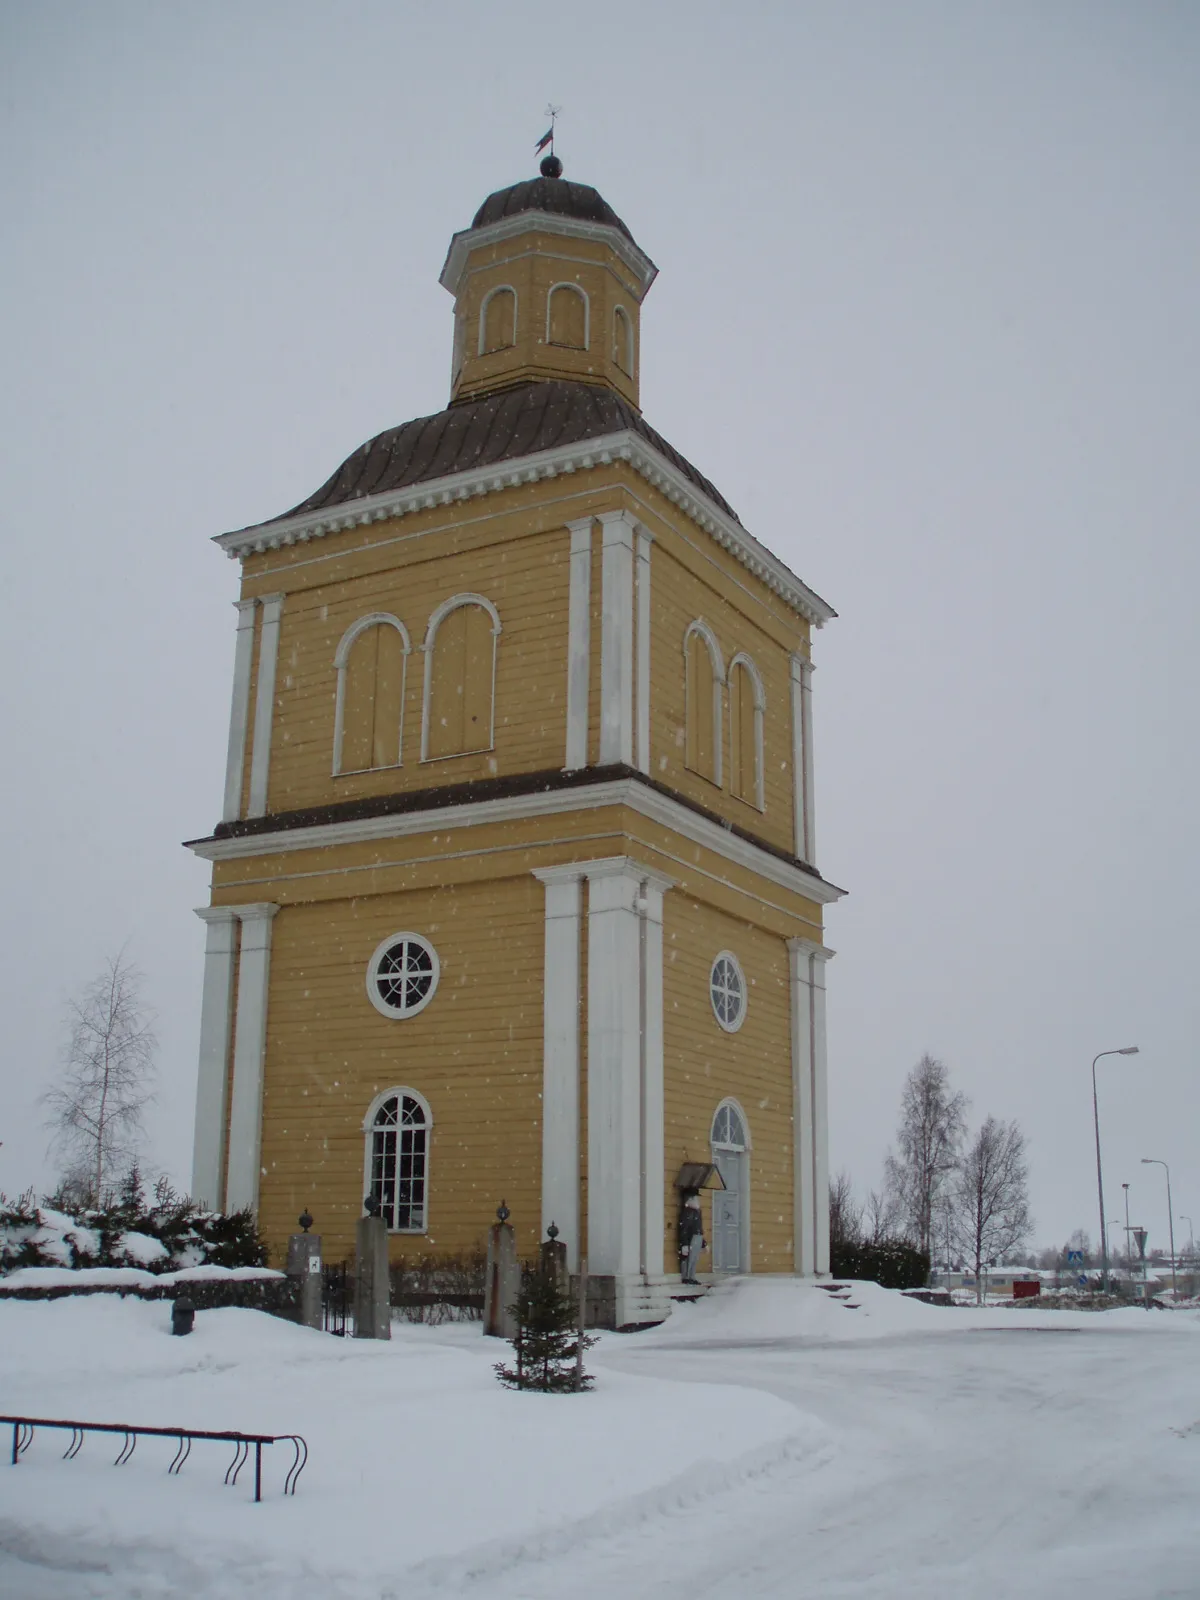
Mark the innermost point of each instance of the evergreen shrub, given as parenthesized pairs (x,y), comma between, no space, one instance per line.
(891,1263)
(162,1233)
(547,1341)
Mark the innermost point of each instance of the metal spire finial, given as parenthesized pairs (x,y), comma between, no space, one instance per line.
(551,166)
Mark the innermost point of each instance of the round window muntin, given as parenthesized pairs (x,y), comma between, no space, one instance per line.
(722,993)
(386,975)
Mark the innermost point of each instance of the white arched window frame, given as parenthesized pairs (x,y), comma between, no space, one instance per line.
(499,288)
(435,622)
(587,312)
(721,1143)
(699,626)
(408,1167)
(760,707)
(374,619)
(622,319)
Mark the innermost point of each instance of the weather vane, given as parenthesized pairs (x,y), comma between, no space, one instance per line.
(553,112)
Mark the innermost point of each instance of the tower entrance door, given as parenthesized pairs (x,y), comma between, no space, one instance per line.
(730,1213)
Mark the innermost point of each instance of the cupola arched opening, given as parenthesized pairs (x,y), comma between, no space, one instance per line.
(371,662)
(568,317)
(623,340)
(498,319)
(704,671)
(460,678)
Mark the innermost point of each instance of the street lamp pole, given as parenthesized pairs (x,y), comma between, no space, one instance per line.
(1152,1161)
(1129,1050)
(1128,1252)
(1191,1235)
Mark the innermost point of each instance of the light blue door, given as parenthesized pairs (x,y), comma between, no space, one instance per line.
(727,1212)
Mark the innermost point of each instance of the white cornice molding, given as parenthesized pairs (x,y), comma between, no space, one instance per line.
(647,802)
(470,239)
(564,460)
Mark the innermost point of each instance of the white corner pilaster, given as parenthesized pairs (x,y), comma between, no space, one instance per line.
(642,606)
(264,705)
(810,1115)
(208,1145)
(650,905)
(239,711)
(626,1157)
(803,1231)
(614,1060)
(560,1057)
(249,1050)
(579,642)
(803,788)
(820,1112)
(616,638)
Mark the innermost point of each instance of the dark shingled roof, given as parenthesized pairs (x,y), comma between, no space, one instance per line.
(555,195)
(481,433)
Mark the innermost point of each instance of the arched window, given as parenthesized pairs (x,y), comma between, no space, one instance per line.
(704,681)
(371,663)
(568,317)
(397,1129)
(729,1127)
(731,1205)
(498,319)
(460,678)
(623,340)
(747,704)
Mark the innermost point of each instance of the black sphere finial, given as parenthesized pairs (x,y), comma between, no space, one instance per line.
(551,166)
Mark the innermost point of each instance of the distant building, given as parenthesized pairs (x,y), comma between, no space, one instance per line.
(515,892)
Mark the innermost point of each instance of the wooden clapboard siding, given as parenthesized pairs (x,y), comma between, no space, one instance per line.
(475,1053)
(527,582)
(680,596)
(703,1065)
(533,263)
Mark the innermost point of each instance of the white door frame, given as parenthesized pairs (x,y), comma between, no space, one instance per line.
(742,1151)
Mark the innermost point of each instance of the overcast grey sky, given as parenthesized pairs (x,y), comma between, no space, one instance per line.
(927,316)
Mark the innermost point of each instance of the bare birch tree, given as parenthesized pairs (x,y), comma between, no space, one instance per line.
(991,1195)
(107,1081)
(929,1138)
(845,1214)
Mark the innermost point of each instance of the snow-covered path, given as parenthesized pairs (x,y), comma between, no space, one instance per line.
(1032,1462)
(769,1443)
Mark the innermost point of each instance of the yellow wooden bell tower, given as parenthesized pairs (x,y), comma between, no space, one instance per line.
(515,891)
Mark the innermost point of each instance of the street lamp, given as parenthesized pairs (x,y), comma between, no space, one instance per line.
(1191,1236)
(1128,1050)
(1128,1251)
(1152,1161)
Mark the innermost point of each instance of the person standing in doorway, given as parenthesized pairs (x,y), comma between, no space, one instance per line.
(691,1238)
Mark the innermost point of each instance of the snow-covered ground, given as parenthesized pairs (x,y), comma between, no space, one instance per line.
(771,1441)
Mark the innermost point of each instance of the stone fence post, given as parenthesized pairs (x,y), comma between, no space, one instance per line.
(554,1259)
(503,1278)
(304,1264)
(372,1289)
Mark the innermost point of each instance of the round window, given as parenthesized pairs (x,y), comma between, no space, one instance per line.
(402,975)
(727,989)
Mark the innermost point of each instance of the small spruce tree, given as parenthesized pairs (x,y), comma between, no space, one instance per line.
(547,1342)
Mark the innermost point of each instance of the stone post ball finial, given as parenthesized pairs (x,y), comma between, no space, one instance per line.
(551,167)
(552,1233)
(503,1212)
(305,1220)
(371,1206)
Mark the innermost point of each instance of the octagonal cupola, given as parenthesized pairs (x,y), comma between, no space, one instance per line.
(548,282)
